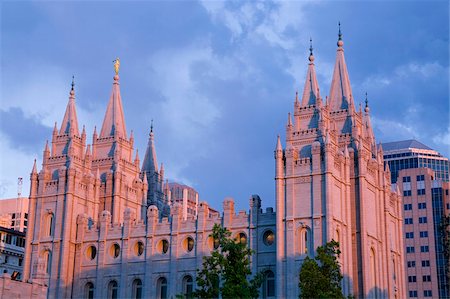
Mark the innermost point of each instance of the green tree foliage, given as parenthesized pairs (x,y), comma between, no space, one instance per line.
(321,277)
(227,270)
(445,234)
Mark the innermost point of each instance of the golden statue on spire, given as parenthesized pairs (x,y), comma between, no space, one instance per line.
(116,65)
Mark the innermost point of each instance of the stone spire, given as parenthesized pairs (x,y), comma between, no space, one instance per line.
(340,90)
(279,147)
(367,123)
(114,121)
(311,89)
(150,163)
(70,120)
(34,170)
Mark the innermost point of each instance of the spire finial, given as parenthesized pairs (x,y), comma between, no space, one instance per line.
(311,56)
(72,91)
(151,126)
(340,42)
(116,65)
(366,109)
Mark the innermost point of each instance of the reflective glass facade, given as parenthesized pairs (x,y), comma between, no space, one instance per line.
(441,261)
(403,155)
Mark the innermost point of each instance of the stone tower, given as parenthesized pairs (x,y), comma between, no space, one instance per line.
(155,179)
(331,184)
(79,179)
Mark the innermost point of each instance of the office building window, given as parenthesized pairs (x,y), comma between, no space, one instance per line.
(407,206)
(408,221)
(409,235)
(426,263)
(413,294)
(426,278)
(412,278)
(421,178)
(422,219)
(409,249)
(424,234)
(427,293)
(407,193)
(420,191)
(422,205)
(406,179)
(411,264)
(424,248)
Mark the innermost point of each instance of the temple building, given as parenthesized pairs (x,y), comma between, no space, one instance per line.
(103,225)
(331,183)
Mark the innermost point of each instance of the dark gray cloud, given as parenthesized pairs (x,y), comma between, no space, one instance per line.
(24,133)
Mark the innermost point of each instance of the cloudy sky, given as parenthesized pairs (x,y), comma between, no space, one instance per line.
(217,78)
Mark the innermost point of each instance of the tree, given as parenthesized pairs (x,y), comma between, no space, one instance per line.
(445,235)
(227,270)
(321,277)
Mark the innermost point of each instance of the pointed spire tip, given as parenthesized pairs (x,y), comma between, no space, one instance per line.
(340,42)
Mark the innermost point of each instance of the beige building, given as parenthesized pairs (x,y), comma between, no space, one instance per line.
(102,226)
(425,203)
(14,213)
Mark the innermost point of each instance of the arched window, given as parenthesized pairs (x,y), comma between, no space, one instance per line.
(48,261)
(113,289)
(137,289)
(49,225)
(373,269)
(188,286)
(162,288)
(304,241)
(89,290)
(242,238)
(268,284)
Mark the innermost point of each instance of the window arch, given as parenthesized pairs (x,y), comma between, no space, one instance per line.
(268,284)
(161,288)
(137,289)
(47,261)
(373,269)
(49,225)
(304,240)
(113,289)
(188,286)
(89,290)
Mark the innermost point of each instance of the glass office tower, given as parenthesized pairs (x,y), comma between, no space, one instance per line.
(408,154)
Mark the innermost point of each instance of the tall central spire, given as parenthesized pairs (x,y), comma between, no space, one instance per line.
(70,121)
(340,90)
(114,121)
(311,89)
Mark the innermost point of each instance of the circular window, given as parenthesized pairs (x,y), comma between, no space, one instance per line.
(163,246)
(268,237)
(139,248)
(91,252)
(188,244)
(242,238)
(114,250)
(213,243)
